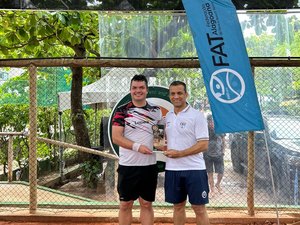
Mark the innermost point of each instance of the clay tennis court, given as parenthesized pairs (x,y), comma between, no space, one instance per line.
(67,223)
(72,217)
(46,223)
(14,192)
(68,216)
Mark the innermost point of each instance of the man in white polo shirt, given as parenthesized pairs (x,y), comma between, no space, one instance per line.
(187,139)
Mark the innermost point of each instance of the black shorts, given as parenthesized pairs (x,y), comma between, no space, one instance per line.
(137,181)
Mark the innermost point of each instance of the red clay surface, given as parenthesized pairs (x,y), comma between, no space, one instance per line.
(45,223)
(110,223)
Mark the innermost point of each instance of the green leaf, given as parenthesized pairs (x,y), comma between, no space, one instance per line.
(22,34)
(62,18)
(88,44)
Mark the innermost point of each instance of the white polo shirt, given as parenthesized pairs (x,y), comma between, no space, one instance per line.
(183,131)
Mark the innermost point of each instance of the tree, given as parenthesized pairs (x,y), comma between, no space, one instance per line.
(50,81)
(261,46)
(53,34)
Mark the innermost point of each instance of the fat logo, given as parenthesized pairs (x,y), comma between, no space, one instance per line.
(227,85)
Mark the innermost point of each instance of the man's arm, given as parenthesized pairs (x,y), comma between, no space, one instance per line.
(200,146)
(119,139)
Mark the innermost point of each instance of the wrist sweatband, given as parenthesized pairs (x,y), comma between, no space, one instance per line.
(136,146)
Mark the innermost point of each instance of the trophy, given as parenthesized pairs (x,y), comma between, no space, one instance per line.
(158,136)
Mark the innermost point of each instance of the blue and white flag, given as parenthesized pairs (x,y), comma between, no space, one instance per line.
(225,65)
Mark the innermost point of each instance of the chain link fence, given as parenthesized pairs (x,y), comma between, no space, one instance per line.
(42,167)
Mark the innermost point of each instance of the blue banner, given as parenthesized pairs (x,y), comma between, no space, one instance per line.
(225,65)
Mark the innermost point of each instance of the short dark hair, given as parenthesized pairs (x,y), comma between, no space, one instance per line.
(177,83)
(139,77)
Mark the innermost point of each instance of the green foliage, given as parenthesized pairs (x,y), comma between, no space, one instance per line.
(295,50)
(259,46)
(91,172)
(277,91)
(181,45)
(134,35)
(26,34)
(15,118)
(15,91)
(292,107)
(50,82)
(3,155)
(277,86)
(93,118)
(14,110)
(70,153)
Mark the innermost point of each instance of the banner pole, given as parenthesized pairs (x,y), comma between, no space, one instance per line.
(250,175)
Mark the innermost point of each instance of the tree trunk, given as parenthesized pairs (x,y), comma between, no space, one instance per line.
(90,177)
(77,113)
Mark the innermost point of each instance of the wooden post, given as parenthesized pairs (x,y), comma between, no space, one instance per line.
(250,176)
(10,158)
(32,140)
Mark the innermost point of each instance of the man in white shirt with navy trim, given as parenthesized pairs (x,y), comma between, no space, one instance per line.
(187,139)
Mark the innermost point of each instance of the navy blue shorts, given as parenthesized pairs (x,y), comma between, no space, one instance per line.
(182,184)
(137,181)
